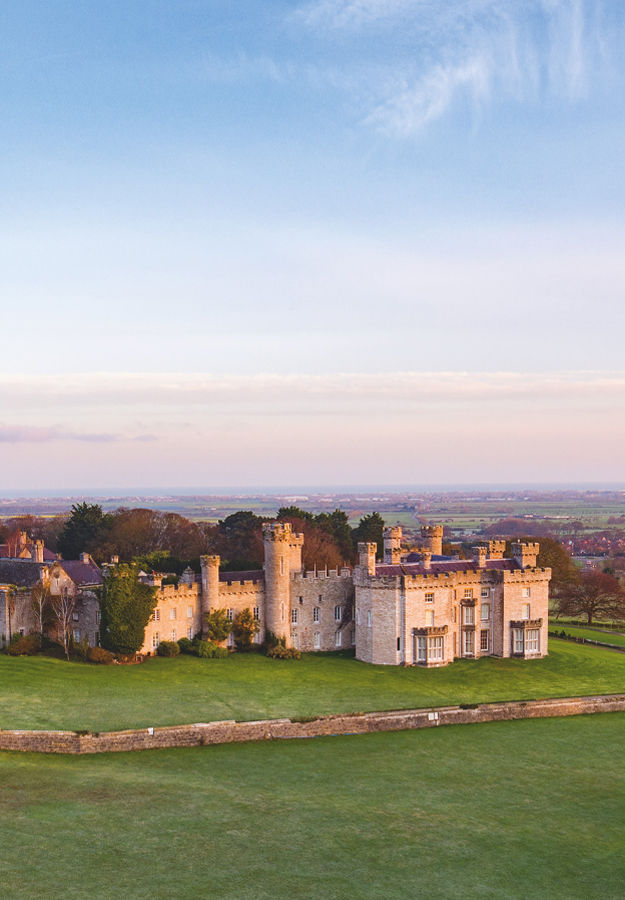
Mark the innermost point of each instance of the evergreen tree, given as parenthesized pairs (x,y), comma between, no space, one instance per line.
(85,527)
(370,529)
(126,605)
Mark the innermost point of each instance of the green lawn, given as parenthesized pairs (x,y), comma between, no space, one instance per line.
(44,693)
(594,634)
(528,809)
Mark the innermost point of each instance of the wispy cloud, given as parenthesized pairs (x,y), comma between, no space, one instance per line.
(470,51)
(30,434)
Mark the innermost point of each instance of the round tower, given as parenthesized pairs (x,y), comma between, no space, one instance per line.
(432,536)
(392,544)
(283,556)
(210,586)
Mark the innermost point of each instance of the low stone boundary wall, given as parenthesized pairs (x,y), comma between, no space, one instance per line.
(226,732)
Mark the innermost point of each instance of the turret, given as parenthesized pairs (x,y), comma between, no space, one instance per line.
(283,557)
(525,554)
(210,585)
(366,556)
(392,544)
(432,536)
(496,549)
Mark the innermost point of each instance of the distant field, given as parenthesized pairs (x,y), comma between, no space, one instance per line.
(45,693)
(530,809)
(594,634)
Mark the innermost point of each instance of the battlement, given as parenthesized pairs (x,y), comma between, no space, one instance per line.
(281,531)
(525,553)
(496,549)
(322,574)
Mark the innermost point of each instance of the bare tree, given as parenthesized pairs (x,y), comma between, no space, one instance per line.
(63,609)
(41,606)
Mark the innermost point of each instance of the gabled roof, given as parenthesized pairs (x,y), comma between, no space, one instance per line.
(5,553)
(81,573)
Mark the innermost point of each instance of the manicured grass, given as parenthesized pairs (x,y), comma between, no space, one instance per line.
(44,693)
(528,809)
(594,634)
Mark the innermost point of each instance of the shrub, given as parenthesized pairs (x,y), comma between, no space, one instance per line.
(279,651)
(99,655)
(186,646)
(276,648)
(168,648)
(209,650)
(25,645)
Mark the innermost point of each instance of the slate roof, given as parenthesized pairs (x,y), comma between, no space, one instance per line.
(440,568)
(48,555)
(81,573)
(22,573)
(251,575)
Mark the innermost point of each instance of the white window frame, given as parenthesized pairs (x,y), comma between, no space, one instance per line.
(317,640)
(436,648)
(484,640)
(257,613)
(230,615)
(294,616)
(189,612)
(368,618)
(316,614)
(468,643)
(485,593)
(429,596)
(338,613)
(155,640)
(518,641)
(338,638)
(421,649)
(532,640)
(525,611)
(172,613)
(485,612)
(468,617)
(429,617)
(468,594)
(526,592)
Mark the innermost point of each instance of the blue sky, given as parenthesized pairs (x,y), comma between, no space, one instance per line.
(321,206)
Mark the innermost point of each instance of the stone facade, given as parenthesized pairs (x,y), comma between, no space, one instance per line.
(393,613)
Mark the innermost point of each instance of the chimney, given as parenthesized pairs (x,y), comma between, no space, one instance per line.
(426,559)
(479,556)
(114,559)
(37,551)
(85,558)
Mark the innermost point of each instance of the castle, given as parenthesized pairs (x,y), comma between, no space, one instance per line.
(420,608)
(425,609)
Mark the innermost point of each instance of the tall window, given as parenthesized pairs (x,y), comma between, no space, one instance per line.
(485,612)
(317,640)
(257,613)
(469,617)
(316,614)
(173,634)
(155,640)
(468,641)
(421,649)
(157,615)
(190,633)
(484,641)
(294,616)
(525,614)
(369,618)
(517,640)
(189,612)
(230,614)
(338,613)
(429,617)
(338,639)
(172,612)
(435,649)
(532,640)
(525,592)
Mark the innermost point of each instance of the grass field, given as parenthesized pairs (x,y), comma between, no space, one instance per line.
(38,692)
(594,634)
(530,809)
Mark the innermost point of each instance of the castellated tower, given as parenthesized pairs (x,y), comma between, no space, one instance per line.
(432,536)
(210,585)
(392,544)
(283,556)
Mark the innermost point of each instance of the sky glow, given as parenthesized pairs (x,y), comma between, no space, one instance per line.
(340,241)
